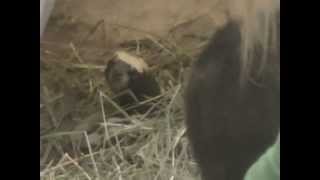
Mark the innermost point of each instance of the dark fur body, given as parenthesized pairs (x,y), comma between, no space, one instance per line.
(229,125)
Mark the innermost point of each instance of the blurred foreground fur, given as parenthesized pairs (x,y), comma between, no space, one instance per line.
(233,97)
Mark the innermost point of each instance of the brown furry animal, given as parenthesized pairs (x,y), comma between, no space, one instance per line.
(121,76)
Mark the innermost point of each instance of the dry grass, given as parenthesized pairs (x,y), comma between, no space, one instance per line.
(146,146)
(80,136)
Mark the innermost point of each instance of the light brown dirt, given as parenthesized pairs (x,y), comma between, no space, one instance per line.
(121,17)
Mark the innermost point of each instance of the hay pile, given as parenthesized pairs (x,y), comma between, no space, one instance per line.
(80,136)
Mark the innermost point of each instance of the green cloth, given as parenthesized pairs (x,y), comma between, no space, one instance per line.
(268,165)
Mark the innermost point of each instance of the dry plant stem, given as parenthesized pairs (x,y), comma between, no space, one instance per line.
(92,157)
(119,109)
(75,163)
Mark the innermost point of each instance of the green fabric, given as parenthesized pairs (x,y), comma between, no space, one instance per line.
(268,165)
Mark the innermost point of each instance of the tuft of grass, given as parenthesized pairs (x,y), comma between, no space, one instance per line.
(132,147)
